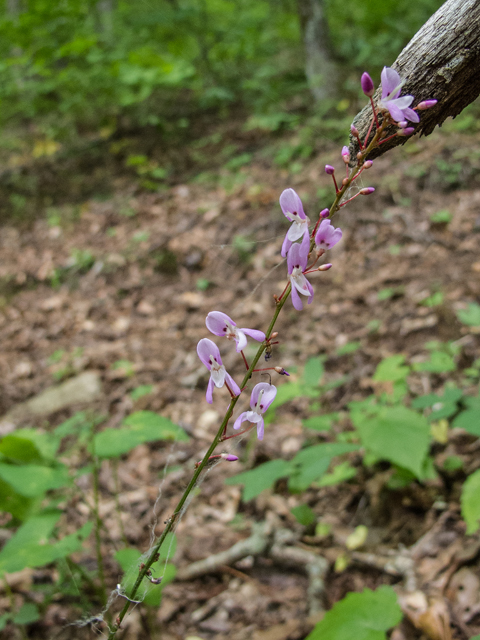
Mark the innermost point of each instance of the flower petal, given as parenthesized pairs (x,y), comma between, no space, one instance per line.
(240,340)
(403,102)
(209,395)
(297,230)
(207,348)
(218,376)
(260,429)
(232,384)
(287,243)
(395,112)
(257,335)
(296,300)
(216,322)
(241,418)
(390,82)
(291,204)
(411,115)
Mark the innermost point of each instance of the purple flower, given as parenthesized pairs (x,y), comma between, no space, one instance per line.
(263,395)
(297,262)
(399,108)
(210,356)
(327,236)
(222,325)
(293,210)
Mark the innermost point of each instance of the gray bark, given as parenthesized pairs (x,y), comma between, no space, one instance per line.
(320,67)
(442,62)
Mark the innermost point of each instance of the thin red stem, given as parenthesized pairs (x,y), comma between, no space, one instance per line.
(387,139)
(347,201)
(335,183)
(369,131)
(245,360)
(235,435)
(374,112)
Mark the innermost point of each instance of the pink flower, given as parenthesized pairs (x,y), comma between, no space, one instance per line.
(399,108)
(263,395)
(297,262)
(210,356)
(222,325)
(293,210)
(327,236)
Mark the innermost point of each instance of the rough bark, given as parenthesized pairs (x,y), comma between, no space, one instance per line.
(442,61)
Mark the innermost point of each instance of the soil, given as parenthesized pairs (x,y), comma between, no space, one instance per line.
(131,304)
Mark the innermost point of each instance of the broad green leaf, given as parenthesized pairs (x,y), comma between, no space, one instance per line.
(33,480)
(141,426)
(439,362)
(396,434)
(46,443)
(28,613)
(130,559)
(470,501)
(321,423)
(391,369)
(19,449)
(360,616)
(469,420)
(350,347)
(341,473)
(303,514)
(312,463)
(12,502)
(471,315)
(29,547)
(313,371)
(4,620)
(262,477)
(288,391)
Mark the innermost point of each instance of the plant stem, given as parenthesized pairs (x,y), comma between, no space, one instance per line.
(97,527)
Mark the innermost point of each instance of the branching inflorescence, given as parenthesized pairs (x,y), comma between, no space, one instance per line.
(302,249)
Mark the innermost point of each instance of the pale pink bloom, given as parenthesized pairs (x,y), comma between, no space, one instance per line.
(222,325)
(399,107)
(263,395)
(293,210)
(209,354)
(297,263)
(327,236)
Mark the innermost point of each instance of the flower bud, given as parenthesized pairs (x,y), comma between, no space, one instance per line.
(368,87)
(367,164)
(353,130)
(325,213)
(406,132)
(281,371)
(426,104)
(329,169)
(274,335)
(229,456)
(367,191)
(346,155)
(402,124)
(359,155)
(325,267)
(344,181)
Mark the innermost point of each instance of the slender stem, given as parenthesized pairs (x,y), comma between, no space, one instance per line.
(153,554)
(117,501)
(244,359)
(98,526)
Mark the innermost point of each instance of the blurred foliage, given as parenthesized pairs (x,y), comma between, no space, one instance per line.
(77,67)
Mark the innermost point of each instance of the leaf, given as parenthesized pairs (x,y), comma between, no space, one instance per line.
(313,371)
(391,369)
(470,501)
(12,502)
(19,449)
(321,423)
(141,426)
(303,514)
(29,546)
(349,347)
(33,480)
(311,464)
(469,420)
(28,613)
(341,473)
(396,434)
(471,315)
(360,616)
(439,362)
(262,477)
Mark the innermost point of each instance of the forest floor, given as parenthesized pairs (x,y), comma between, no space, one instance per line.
(122,287)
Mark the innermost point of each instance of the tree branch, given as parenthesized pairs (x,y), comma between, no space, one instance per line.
(440,62)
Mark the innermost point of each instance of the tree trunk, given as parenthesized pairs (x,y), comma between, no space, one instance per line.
(320,68)
(442,62)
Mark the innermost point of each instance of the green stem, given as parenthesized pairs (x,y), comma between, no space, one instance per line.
(98,526)
(153,555)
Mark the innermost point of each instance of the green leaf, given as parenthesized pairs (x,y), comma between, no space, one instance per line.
(341,473)
(142,390)
(141,426)
(392,369)
(312,463)
(29,546)
(28,613)
(262,477)
(321,423)
(19,449)
(470,501)
(397,434)
(313,371)
(350,347)
(469,420)
(439,362)
(4,620)
(12,502)
(470,316)
(360,616)
(46,443)
(33,480)
(303,514)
